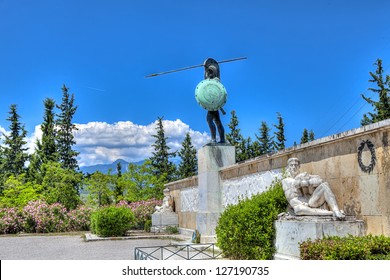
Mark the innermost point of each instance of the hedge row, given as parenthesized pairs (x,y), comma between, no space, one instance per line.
(41,217)
(347,248)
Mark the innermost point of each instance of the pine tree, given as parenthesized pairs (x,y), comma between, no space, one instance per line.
(49,148)
(265,141)
(280,138)
(188,166)
(65,128)
(13,152)
(311,135)
(235,138)
(253,148)
(248,149)
(381,107)
(160,160)
(46,149)
(305,136)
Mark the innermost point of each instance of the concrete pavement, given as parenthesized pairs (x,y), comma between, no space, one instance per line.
(71,247)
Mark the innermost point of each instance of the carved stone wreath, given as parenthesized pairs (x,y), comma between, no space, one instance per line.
(370,146)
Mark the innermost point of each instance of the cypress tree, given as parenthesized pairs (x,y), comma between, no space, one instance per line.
(119,186)
(188,166)
(280,138)
(119,169)
(65,128)
(382,106)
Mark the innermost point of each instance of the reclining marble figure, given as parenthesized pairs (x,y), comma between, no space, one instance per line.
(309,194)
(167,203)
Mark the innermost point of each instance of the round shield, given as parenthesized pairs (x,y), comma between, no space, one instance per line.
(211,94)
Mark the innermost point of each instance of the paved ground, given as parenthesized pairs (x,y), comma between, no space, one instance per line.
(70,247)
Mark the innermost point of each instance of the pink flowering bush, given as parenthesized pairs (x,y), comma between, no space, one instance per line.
(11,220)
(41,217)
(142,210)
(79,219)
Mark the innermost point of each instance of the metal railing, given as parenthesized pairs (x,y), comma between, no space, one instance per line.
(178,252)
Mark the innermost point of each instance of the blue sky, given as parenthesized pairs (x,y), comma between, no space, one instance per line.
(308,60)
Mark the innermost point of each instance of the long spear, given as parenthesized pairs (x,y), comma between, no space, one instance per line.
(191,67)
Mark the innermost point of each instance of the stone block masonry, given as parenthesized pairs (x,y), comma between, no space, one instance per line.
(289,233)
(211,158)
(355,163)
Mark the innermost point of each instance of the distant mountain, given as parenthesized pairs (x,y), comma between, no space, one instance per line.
(105,168)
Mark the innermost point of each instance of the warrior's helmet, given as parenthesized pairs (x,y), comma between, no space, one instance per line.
(211,69)
(210,93)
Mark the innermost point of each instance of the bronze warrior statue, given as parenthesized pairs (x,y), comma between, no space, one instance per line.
(210,94)
(211,71)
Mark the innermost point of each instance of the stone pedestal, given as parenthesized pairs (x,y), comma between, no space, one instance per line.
(160,221)
(290,232)
(210,159)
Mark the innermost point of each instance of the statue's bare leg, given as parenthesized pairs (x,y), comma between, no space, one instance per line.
(213,130)
(323,194)
(304,210)
(221,130)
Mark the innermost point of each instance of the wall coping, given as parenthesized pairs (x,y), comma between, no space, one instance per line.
(357,132)
(382,125)
(183,183)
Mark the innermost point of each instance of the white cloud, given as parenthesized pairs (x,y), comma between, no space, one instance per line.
(31,139)
(2,131)
(101,142)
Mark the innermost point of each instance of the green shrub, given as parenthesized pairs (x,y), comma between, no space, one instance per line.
(112,221)
(142,210)
(17,192)
(246,231)
(172,229)
(346,248)
(93,222)
(148,225)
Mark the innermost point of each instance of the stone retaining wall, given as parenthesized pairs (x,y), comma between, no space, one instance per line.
(355,163)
